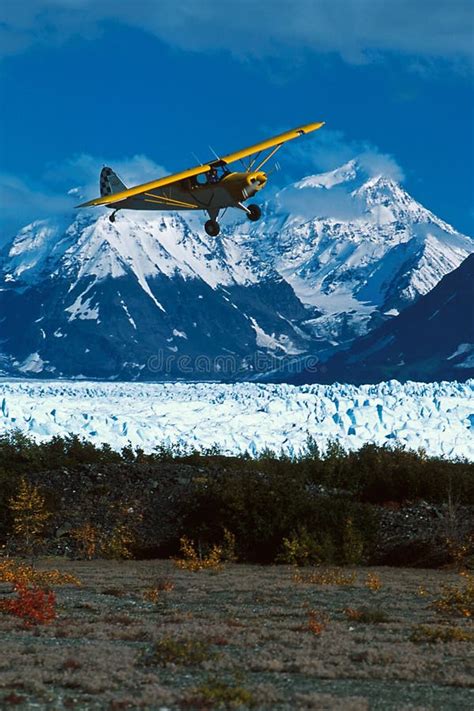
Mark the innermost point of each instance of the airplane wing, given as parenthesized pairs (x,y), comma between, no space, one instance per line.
(230,158)
(269,143)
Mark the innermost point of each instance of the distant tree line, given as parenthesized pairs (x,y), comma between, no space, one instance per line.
(321,506)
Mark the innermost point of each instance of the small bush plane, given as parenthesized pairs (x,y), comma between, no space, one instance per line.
(210,187)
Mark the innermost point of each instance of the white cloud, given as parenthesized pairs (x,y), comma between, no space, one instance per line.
(356,30)
(336,203)
(22,201)
(62,186)
(329,149)
(376,163)
(82,172)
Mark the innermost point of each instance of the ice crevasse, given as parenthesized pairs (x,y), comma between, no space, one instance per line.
(438,417)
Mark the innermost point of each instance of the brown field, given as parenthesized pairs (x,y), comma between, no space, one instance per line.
(245,637)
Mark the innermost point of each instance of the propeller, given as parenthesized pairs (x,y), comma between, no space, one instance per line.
(267,158)
(275,169)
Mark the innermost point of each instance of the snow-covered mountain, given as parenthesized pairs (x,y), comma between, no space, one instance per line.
(113,300)
(432,339)
(153,296)
(357,247)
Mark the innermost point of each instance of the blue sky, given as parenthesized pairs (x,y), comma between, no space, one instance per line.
(142,85)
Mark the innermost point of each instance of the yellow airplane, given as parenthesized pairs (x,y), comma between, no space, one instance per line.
(210,187)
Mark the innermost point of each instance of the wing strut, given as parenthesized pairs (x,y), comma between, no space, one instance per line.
(267,158)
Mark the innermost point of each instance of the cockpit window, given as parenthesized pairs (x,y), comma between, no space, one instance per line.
(201,179)
(214,175)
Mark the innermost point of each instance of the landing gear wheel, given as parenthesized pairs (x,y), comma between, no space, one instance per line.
(254,212)
(112,217)
(212,228)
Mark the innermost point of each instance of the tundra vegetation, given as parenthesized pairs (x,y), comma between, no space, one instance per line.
(184,579)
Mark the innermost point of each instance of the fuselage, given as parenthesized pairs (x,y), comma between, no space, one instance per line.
(202,192)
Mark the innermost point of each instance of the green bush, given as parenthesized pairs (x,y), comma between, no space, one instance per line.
(378,474)
(320,502)
(180,651)
(262,508)
(19,454)
(352,543)
(300,548)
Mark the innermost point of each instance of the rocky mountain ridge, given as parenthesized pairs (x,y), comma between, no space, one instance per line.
(154,297)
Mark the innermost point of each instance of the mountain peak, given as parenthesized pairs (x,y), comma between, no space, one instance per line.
(351,175)
(357,180)
(333,255)
(431,339)
(346,173)
(144,245)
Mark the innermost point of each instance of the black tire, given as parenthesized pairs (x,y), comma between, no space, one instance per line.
(254,213)
(112,217)
(212,228)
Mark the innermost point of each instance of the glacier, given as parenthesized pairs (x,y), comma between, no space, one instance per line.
(245,417)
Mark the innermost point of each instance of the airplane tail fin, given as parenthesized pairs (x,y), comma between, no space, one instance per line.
(110,183)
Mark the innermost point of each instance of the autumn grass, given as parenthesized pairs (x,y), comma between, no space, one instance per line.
(248,637)
(426,634)
(156,592)
(18,572)
(457,599)
(366,615)
(317,622)
(181,651)
(214,693)
(324,576)
(191,559)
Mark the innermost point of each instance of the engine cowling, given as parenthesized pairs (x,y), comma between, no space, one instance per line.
(254,182)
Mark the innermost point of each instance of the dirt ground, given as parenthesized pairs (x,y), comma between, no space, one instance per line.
(245,637)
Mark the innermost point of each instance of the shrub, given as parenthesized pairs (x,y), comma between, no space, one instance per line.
(194,561)
(154,593)
(184,652)
(366,615)
(29,515)
(300,549)
(277,501)
(431,635)
(317,622)
(318,503)
(352,543)
(94,542)
(457,600)
(325,576)
(219,694)
(229,547)
(20,454)
(378,474)
(373,582)
(22,574)
(117,544)
(35,602)
(32,604)
(462,551)
(86,537)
